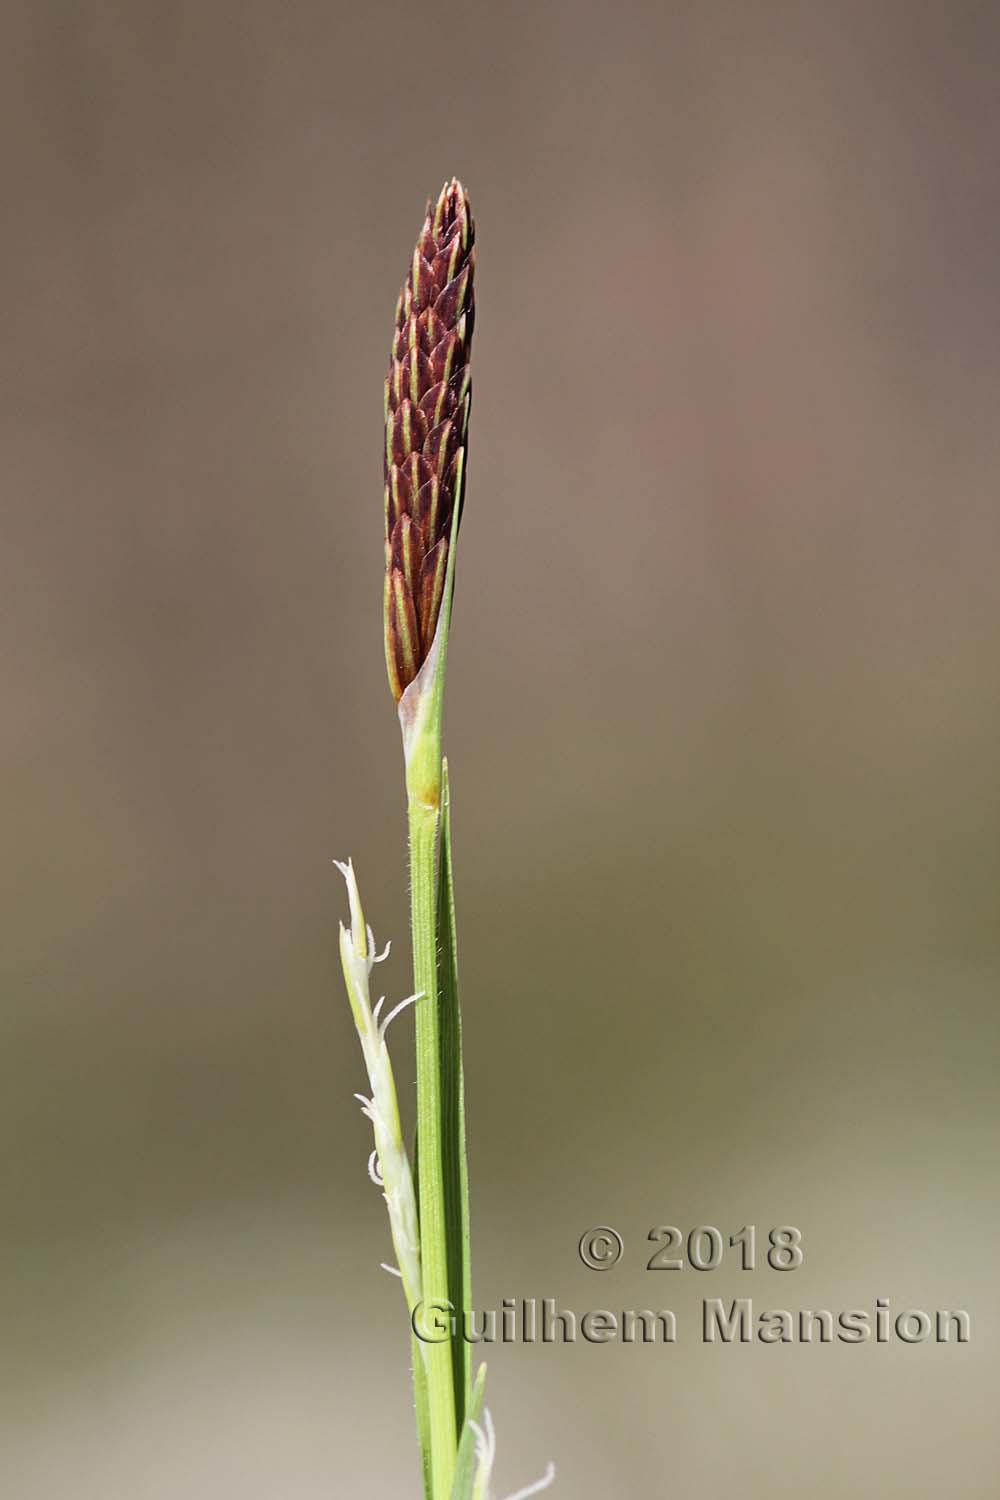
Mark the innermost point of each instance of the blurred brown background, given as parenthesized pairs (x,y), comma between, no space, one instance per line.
(723,721)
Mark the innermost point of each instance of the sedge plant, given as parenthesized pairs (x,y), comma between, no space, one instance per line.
(427,396)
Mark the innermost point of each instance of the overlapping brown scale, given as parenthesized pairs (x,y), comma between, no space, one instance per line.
(438,403)
(417,374)
(429,510)
(407,551)
(462,404)
(416,333)
(427,244)
(440,445)
(418,472)
(403,654)
(393,510)
(408,431)
(432,576)
(448,356)
(424,288)
(444,267)
(397,389)
(451,479)
(432,330)
(451,301)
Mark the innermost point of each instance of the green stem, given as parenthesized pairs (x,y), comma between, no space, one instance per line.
(424,810)
(421,713)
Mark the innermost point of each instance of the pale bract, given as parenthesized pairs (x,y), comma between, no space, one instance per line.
(388,1165)
(486,1449)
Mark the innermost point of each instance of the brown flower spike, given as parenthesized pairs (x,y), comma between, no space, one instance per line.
(426,424)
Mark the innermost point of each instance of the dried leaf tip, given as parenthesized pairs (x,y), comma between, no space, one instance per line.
(426,429)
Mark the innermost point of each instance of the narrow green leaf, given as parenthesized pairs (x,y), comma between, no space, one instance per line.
(465,1468)
(421,1400)
(456,1176)
(423,1417)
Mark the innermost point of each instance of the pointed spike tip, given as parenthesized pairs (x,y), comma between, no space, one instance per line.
(358,930)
